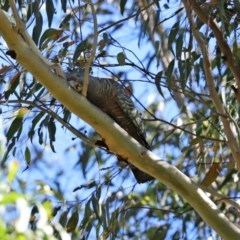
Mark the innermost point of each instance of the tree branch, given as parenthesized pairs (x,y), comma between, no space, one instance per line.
(224,116)
(226,51)
(122,144)
(46,110)
(20,28)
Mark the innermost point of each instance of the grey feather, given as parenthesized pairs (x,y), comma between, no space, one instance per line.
(109,96)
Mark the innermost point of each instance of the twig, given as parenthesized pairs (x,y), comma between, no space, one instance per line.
(29,41)
(224,116)
(67,125)
(125,19)
(222,198)
(21,28)
(94,48)
(226,51)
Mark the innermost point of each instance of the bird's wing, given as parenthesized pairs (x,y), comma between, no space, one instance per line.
(127,106)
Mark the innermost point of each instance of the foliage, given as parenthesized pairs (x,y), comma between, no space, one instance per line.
(56,184)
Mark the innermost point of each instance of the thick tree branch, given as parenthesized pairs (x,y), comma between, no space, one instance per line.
(122,144)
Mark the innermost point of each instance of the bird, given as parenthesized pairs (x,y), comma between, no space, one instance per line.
(110,96)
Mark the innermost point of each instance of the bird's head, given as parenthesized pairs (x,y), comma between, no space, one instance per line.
(75,79)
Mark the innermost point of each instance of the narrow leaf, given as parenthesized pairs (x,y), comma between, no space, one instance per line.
(15,126)
(169,71)
(37,28)
(122,6)
(5,156)
(52,130)
(179,46)
(64,5)
(105,37)
(50,11)
(40,136)
(63,218)
(81,47)
(172,36)
(72,222)
(158,82)
(27,156)
(65,24)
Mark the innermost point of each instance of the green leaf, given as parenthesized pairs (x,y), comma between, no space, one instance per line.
(63,218)
(96,210)
(34,122)
(37,28)
(179,46)
(9,148)
(81,47)
(50,34)
(40,136)
(37,119)
(66,115)
(52,131)
(122,6)
(72,222)
(15,126)
(87,214)
(172,36)
(50,11)
(52,146)
(64,5)
(27,155)
(56,210)
(170,68)
(158,82)
(121,58)
(166,6)
(105,37)
(65,23)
